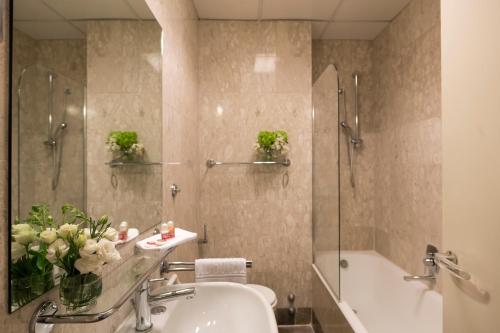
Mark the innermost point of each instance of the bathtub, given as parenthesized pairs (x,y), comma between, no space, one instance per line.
(374,298)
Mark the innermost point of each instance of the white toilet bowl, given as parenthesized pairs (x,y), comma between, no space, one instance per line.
(268,294)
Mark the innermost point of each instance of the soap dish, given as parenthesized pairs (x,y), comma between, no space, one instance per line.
(131,234)
(155,243)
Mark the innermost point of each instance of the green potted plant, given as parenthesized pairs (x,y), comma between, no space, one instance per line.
(125,144)
(272,144)
(31,272)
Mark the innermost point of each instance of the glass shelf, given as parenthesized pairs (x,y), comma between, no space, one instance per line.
(117,287)
(114,164)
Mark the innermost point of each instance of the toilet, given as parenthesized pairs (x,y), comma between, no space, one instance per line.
(268,294)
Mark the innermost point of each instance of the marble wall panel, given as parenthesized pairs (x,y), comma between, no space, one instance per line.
(124,99)
(179,23)
(255,76)
(407,103)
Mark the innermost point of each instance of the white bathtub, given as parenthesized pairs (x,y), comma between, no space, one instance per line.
(382,301)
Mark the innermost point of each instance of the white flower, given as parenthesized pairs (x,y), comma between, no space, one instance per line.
(23,233)
(110,234)
(80,240)
(67,230)
(48,236)
(90,264)
(89,248)
(17,228)
(17,251)
(57,250)
(107,252)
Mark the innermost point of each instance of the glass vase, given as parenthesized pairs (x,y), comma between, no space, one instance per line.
(26,289)
(78,293)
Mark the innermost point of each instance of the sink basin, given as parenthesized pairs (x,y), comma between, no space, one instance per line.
(218,307)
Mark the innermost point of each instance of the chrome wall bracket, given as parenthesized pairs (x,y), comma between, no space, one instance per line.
(175,189)
(47,308)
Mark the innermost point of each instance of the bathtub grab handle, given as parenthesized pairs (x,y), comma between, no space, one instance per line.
(419,277)
(449,261)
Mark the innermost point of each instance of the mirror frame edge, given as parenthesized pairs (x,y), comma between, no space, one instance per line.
(9,21)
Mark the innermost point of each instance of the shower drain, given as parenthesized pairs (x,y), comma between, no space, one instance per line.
(158,309)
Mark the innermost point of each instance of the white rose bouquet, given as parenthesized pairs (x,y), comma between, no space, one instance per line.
(79,245)
(82,246)
(31,272)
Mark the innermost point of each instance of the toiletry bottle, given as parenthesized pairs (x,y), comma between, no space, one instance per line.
(123,231)
(171,229)
(164,231)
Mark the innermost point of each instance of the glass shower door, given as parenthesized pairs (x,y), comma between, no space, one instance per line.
(326,226)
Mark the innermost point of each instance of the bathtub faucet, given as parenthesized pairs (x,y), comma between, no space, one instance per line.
(430,267)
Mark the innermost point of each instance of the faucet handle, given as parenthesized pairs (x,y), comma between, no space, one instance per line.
(172,295)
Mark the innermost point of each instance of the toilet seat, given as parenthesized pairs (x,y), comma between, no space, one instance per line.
(268,293)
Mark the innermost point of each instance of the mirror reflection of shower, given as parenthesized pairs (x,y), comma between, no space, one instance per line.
(55,139)
(353,139)
(49,140)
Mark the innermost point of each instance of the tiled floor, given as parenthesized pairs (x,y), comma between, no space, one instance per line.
(296,329)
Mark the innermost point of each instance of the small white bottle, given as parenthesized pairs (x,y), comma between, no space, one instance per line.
(123,231)
(171,229)
(164,231)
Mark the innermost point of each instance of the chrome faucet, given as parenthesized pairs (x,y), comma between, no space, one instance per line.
(430,267)
(143,299)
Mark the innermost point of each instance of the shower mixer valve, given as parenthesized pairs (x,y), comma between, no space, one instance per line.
(430,267)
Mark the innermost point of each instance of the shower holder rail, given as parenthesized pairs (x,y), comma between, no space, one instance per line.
(114,164)
(286,162)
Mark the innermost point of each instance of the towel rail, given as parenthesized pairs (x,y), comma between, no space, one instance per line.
(249,264)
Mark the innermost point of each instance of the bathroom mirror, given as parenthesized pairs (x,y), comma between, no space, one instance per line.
(86,124)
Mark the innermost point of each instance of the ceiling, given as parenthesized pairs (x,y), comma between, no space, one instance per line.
(331,19)
(65,19)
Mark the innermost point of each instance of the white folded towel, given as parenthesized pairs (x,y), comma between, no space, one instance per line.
(221,270)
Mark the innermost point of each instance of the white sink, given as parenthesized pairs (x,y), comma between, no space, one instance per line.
(218,307)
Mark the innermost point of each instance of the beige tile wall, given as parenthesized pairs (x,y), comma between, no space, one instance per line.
(407,106)
(179,22)
(260,213)
(124,80)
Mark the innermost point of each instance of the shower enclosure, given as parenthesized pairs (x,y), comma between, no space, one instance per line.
(366,287)
(326,189)
(48,141)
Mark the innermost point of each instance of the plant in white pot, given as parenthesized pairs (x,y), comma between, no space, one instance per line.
(272,144)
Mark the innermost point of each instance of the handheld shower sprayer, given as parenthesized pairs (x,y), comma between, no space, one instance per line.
(353,139)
